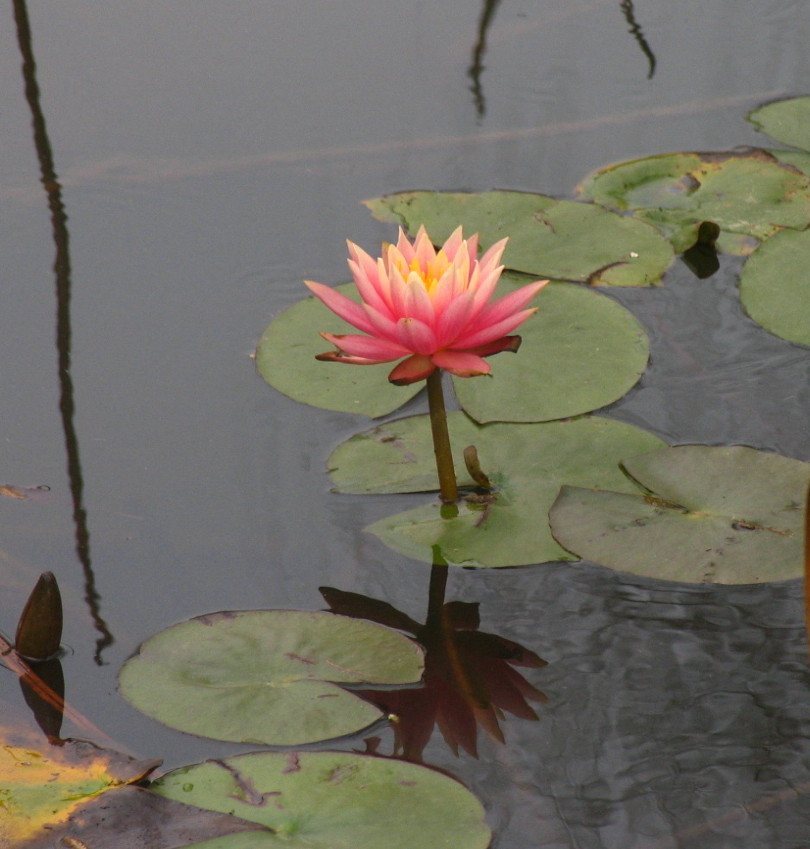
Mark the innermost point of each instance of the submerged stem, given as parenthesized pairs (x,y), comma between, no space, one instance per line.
(441,439)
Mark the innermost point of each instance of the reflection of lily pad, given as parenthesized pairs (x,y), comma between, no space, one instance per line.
(561,239)
(285,358)
(775,285)
(729,515)
(332,800)
(787,121)
(527,463)
(581,351)
(265,676)
(745,194)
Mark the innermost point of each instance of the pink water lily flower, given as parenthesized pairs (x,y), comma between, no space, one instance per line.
(430,307)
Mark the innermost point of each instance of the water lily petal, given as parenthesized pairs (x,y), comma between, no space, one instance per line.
(416,367)
(368,347)
(416,336)
(454,320)
(367,279)
(495,331)
(510,304)
(347,309)
(424,251)
(505,343)
(491,259)
(461,363)
(418,304)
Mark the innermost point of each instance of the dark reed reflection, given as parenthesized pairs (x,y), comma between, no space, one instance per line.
(470,678)
(61,268)
(488,10)
(479,49)
(635,30)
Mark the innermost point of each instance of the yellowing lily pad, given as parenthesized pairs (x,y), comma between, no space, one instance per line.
(775,285)
(559,239)
(267,676)
(744,193)
(285,358)
(527,463)
(581,350)
(331,800)
(40,789)
(786,121)
(728,515)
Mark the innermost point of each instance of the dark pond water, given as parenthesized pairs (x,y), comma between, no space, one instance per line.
(213,154)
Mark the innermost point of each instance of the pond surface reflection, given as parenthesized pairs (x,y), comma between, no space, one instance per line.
(198,161)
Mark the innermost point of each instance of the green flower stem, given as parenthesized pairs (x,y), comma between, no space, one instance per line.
(441,439)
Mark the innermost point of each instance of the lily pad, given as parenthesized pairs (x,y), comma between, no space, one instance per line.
(581,351)
(728,515)
(331,800)
(527,464)
(745,193)
(775,285)
(787,121)
(267,676)
(285,358)
(41,789)
(559,239)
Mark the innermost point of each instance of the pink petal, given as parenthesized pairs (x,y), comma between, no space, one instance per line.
(485,334)
(451,246)
(417,367)
(396,292)
(505,343)
(367,281)
(492,257)
(454,320)
(382,325)
(423,248)
(446,289)
(347,309)
(405,247)
(416,336)
(418,303)
(472,247)
(511,303)
(339,357)
(367,347)
(461,363)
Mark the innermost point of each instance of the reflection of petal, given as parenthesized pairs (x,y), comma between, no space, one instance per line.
(469,679)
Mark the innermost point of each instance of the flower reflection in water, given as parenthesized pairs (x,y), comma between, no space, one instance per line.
(470,676)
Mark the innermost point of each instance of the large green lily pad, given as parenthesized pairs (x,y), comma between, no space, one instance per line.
(527,463)
(267,676)
(745,193)
(285,358)
(775,285)
(331,800)
(581,350)
(728,515)
(787,121)
(559,239)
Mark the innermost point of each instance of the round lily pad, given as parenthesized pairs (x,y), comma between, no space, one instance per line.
(285,358)
(581,350)
(526,463)
(559,239)
(267,676)
(787,121)
(745,193)
(728,515)
(331,800)
(775,285)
